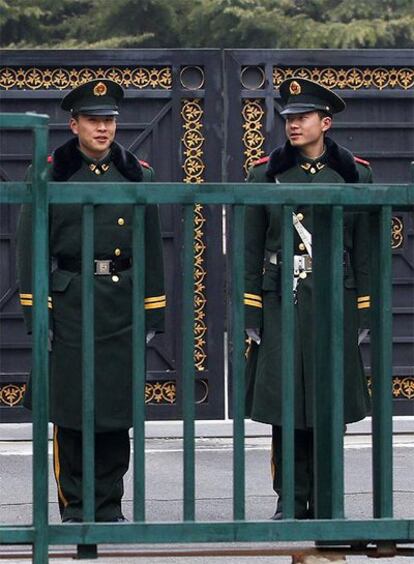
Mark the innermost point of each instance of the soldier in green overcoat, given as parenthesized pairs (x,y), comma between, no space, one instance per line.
(308,156)
(92,155)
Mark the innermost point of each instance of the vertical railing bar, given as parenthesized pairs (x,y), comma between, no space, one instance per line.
(322,344)
(288,378)
(188,396)
(382,458)
(40,376)
(138,359)
(238,364)
(336,296)
(88,365)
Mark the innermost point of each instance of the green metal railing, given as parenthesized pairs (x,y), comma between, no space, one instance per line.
(329,201)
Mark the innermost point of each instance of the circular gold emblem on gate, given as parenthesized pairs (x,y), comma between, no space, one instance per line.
(100,89)
(294,88)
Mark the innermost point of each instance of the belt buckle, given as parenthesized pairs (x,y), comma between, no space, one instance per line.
(102,267)
(308,263)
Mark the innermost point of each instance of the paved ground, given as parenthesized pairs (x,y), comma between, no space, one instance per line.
(213,490)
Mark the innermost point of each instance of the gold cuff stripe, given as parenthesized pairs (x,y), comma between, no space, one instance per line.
(30,296)
(154,299)
(253,297)
(156,305)
(253,303)
(364,306)
(364,298)
(30,303)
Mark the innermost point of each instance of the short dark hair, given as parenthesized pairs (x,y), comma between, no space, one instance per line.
(323,114)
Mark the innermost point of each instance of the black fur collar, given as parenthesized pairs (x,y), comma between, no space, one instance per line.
(67,159)
(338,158)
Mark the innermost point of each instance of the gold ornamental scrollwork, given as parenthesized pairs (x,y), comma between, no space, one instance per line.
(193,166)
(397,232)
(253,138)
(352,78)
(11,395)
(157,393)
(403,387)
(61,78)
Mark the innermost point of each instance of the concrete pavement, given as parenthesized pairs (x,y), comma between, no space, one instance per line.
(213,489)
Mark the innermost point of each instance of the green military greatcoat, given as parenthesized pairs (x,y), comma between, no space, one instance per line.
(263,292)
(113,294)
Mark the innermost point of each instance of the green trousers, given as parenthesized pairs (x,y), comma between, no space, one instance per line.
(303,453)
(112,453)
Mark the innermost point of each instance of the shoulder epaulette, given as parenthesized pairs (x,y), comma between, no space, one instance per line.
(50,159)
(361,161)
(260,161)
(144,164)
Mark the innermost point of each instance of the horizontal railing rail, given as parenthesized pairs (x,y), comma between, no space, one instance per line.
(330,202)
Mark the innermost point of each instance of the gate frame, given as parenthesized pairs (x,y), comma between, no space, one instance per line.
(329,199)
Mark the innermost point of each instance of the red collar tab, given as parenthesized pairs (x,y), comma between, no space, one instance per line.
(144,164)
(50,159)
(261,161)
(361,161)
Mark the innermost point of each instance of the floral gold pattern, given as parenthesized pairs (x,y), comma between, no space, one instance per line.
(253,137)
(352,78)
(402,387)
(61,78)
(397,232)
(160,392)
(193,166)
(11,395)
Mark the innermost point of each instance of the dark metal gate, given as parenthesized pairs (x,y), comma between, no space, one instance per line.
(205,115)
(169,118)
(378,126)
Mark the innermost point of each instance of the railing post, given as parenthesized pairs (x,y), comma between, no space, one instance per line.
(288,368)
(381,352)
(188,364)
(238,364)
(40,355)
(328,360)
(138,359)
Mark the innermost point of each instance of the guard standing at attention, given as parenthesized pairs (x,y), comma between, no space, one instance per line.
(92,155)
(308,156)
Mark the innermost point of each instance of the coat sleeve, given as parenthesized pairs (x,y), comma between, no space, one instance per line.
(155,298)
(24,260)
(255,237)
(361,258)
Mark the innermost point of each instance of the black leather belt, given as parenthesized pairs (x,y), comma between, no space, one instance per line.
(103,267)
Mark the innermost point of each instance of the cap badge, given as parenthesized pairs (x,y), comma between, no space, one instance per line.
(100,89)
(294,88)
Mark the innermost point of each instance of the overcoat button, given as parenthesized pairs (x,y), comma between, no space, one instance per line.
(299,216)
(303,275)
(121,221)
(117,252)
(302,247)
(115,278)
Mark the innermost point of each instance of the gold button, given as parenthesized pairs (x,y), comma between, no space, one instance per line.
(303,275)
(302,247)
(121,221)
(313,170)
(115,278)
(117,252)
(299,216)
(97,171)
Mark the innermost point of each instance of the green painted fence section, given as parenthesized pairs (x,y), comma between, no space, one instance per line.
(329,203)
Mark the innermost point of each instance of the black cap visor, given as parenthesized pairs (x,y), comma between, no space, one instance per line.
(96,111)
(293,109)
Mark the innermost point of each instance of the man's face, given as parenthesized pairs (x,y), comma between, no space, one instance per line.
(95,134)
(307,129)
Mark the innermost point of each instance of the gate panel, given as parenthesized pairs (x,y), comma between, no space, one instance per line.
(172,100)
(378,125)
